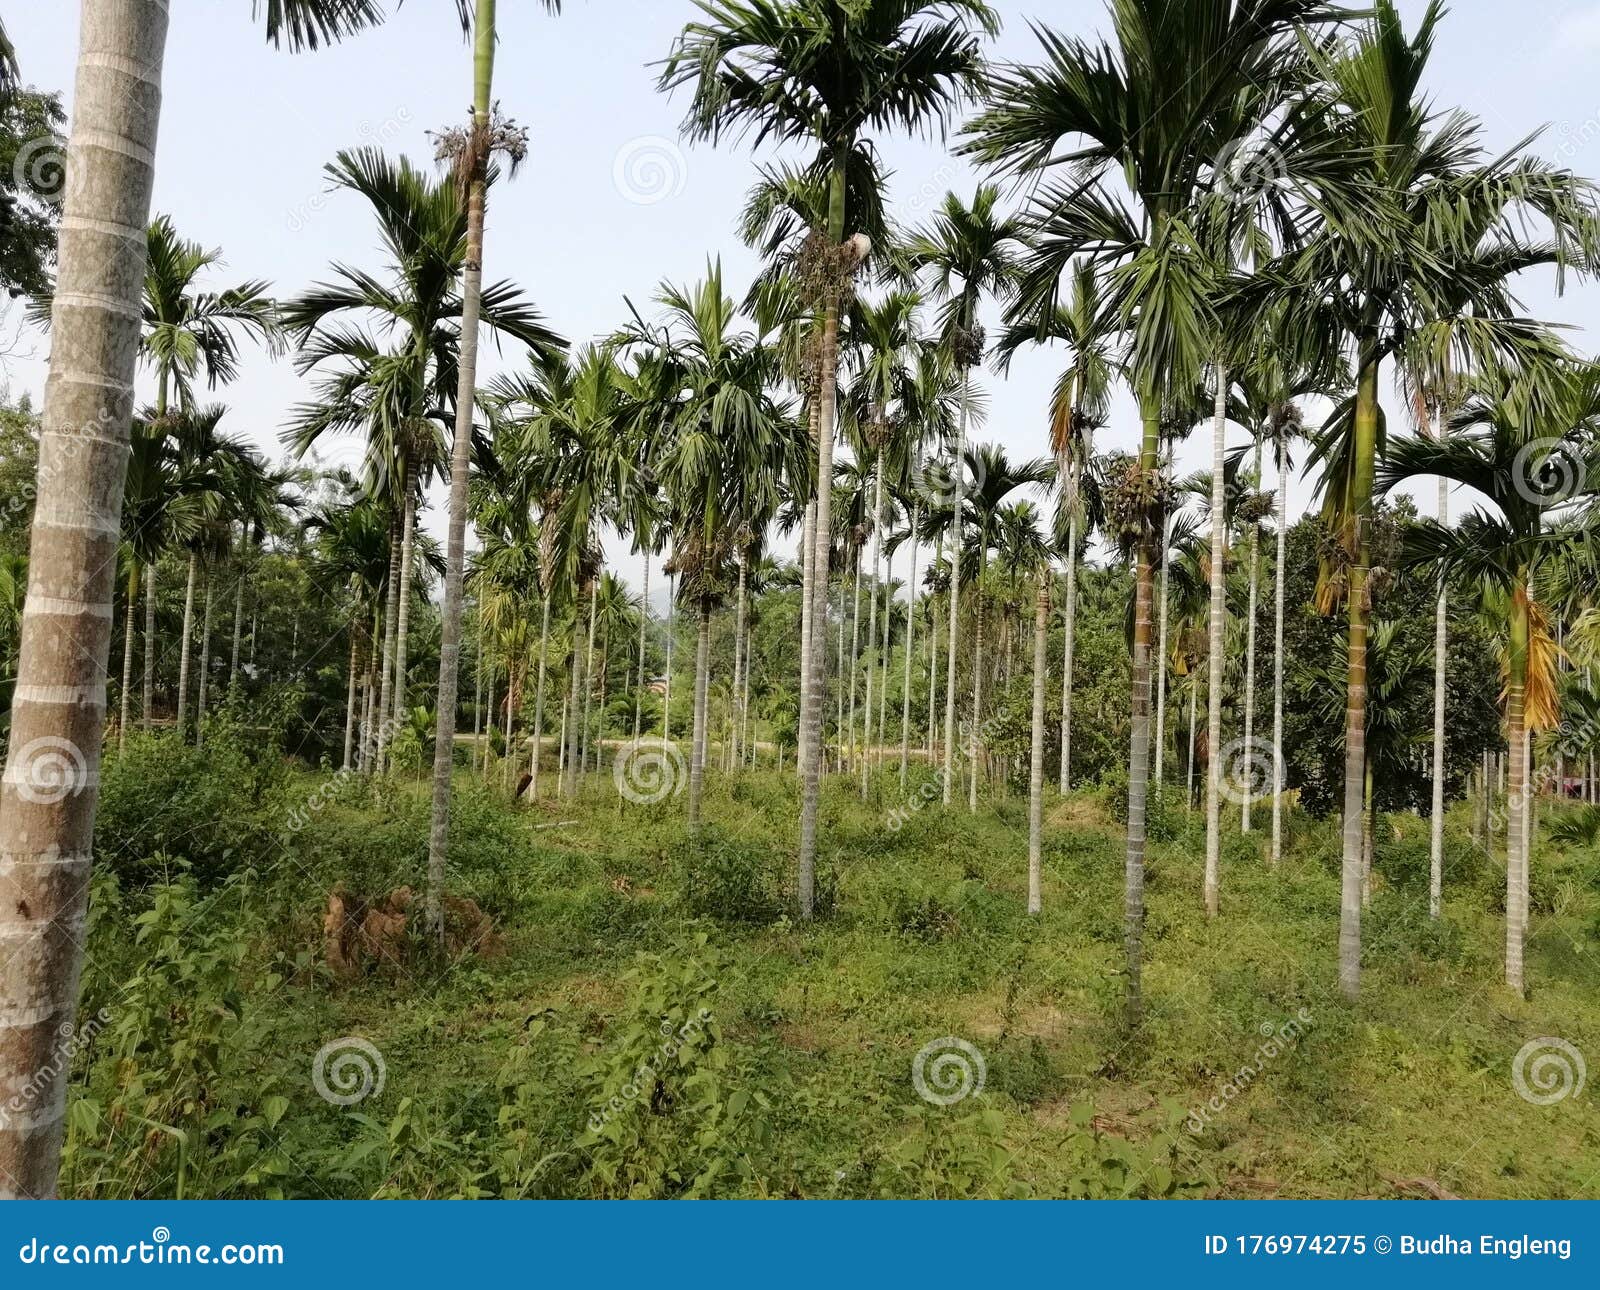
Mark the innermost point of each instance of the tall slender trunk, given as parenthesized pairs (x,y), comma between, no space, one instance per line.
(1368,841)
(1441,646)
(883,685)
(644,629)
(1359,550)
(1070,637)
(391,615)
(350,697)
(1194,705)
(408,530)
(1250,655)
(973,739)
(1219,620)
(238,608)
(872,620)
(933,665)
(460,467)
(957,479)
(702,669)
(1139,733)
(1159,752)
(149,644)
(538,699)
(508,769)
(911,626)
(588,687)
(740,661)
(370,697)
(52,773)
(1041,630)
(184,650)
(807,575)
(205,669)
(1517,789)
(127,656)
(569,773)
(1278,575)
(488,725)
(816,685)
(477,694)
(666,700)
(855,659)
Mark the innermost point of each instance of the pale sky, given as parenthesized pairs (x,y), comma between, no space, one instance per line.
(609,202)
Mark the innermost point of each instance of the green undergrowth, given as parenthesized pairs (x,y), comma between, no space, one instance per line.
(656,1022)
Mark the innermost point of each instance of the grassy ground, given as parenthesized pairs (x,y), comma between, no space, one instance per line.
(779,1057)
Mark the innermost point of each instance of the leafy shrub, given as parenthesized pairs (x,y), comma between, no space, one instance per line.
(216,809)
(729,879)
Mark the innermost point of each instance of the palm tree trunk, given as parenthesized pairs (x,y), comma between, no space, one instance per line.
(1159,753)
(1041,629)
(1219,620)
(184,647)
(588,686)
(666,698)
(1368,826)
(957,479)
(391,615)
(855,659)
(1355,746)
(977,677)
(569,773)
(807,576)
(1516,817)
(238,608)
(369,697)
(1070,634)
(740,660)
(816,683)
(460,467)
(350,697)
(508,771)
(149,644)
(127,656)
(51,781)
(1441,645)
(477,694)
(538,700)
(644,628)
(911,631)
(1194,705)
(1278,575)
(1139,734)
(205,669)
(408,532)
(883,655)
(1250,655)
(933,661)
(872,618)
(702,669)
